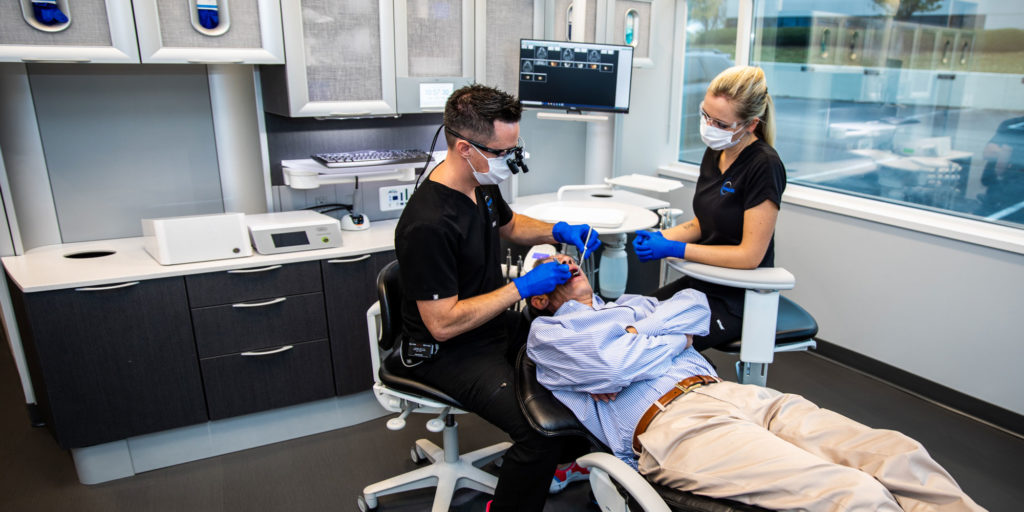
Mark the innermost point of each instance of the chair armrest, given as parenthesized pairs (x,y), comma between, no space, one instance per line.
(603,466)
(772,278)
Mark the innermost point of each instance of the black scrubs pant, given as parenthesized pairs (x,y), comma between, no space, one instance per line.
(725,326)
(481,376)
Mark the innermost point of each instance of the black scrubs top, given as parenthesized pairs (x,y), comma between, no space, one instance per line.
(722,198)
(446,246)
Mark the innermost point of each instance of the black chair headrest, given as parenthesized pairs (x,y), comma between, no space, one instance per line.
(544,412)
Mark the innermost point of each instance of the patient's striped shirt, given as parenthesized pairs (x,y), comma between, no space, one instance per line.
(582,350)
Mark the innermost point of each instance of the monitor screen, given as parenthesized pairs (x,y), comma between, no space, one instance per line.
(575,76)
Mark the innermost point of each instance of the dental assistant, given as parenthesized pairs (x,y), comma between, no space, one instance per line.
(737,199)
(455,301)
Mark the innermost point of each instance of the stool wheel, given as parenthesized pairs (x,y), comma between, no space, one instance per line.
(363,507)
(417,455)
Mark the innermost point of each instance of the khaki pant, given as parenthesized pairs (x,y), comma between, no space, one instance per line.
(780,451)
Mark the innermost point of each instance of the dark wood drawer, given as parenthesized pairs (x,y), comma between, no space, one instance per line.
(259,324)
(254,283)
(112,361)
(247,382)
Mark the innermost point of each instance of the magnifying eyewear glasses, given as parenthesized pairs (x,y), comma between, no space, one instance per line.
(517,149)
(722,125)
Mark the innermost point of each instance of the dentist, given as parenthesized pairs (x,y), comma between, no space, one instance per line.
(456,302)
(737,200)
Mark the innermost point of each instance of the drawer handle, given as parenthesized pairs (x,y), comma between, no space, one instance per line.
(258,304)
(103,288)
(268,352)
(252,270)
(351,260)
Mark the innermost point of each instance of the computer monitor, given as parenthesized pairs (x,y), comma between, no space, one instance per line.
(571,76)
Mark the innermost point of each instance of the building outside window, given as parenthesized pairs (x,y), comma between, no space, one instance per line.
(918,103)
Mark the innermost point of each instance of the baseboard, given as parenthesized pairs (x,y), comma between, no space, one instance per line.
(998,416)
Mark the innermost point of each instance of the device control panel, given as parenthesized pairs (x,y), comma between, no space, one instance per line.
(394,197)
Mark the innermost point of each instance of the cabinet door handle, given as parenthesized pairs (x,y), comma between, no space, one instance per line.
(351,260)
(268,352)
(103,288)
(253,270)
(348,114)
(55,61)
(210,62)
(258,304)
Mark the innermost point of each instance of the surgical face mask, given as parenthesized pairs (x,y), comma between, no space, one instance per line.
(497,169)
(717,138)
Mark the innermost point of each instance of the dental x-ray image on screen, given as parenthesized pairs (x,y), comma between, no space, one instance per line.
(574,76)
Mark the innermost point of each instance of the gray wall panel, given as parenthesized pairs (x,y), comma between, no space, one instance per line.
(123,143)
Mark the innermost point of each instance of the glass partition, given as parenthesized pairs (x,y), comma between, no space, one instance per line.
(916,103)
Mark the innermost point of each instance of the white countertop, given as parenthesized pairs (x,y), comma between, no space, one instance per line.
(596,195)
(47,268)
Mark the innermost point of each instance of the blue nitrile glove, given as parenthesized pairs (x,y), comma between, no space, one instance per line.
(542,279)
(208,16)
(47,12)
(652,245)
(576,234)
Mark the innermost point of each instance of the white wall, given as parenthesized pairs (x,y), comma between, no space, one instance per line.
(941,309)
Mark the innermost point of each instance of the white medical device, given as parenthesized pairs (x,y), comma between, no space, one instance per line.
(192,238)
(301,230)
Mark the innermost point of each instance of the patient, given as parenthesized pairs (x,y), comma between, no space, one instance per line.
(609,362)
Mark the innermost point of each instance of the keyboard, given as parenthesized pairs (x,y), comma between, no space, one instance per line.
(369,158)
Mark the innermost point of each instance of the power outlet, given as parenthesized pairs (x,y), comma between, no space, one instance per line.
(394,197)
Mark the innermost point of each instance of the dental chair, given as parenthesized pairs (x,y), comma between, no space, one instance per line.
(616,486)
(771,323)
(448,470)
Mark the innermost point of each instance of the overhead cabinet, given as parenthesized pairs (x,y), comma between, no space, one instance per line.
(431,59)
(148,31)
(358,58)
(101,32)
(340,60)
(245,32)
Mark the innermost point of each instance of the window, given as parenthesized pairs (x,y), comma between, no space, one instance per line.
(710,49)
(915,103)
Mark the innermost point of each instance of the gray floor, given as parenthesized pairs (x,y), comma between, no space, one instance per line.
(327,471)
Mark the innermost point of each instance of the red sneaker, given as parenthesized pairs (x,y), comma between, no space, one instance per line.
(571,473)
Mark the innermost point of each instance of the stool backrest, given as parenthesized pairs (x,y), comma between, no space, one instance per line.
(389,293)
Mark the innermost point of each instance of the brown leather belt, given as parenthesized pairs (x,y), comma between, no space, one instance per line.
(684,386)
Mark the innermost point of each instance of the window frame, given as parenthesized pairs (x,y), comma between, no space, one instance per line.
(987,234)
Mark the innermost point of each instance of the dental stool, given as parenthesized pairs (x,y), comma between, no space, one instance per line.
(448,470)
(616,486)
(771,323)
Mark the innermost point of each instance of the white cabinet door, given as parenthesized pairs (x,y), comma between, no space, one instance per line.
(433,51)
(500,26)
(340,60)
(95,31)
(246,32)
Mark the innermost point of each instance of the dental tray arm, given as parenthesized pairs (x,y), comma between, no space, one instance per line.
(772,278)
(605,468)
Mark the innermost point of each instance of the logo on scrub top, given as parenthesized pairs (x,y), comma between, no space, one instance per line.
(727,188)
(490,210)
